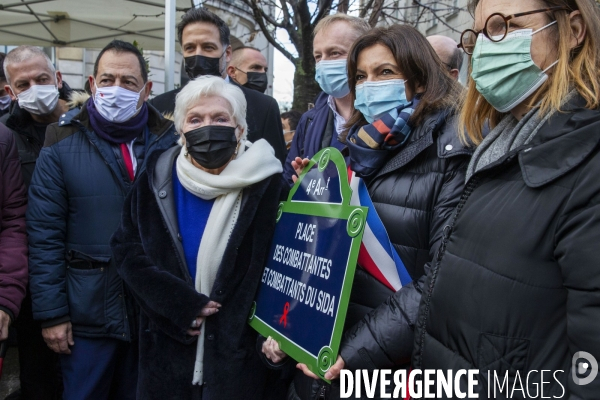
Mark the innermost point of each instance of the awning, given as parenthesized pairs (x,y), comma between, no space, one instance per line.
(94,23)
(85,23)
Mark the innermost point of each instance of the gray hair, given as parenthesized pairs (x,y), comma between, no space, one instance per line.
(358,25)
(23,53)
(206,86)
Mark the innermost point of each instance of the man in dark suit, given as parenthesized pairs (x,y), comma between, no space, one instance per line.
(204,39)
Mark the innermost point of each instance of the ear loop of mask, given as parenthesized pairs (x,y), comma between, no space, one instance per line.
(221,56)
(541,29)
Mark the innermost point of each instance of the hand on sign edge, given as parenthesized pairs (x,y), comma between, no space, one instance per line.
(271,350)
(306,371)
(299,164)
(331,374)
(334,371)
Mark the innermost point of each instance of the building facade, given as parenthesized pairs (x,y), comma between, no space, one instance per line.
(431,17)
(76,64)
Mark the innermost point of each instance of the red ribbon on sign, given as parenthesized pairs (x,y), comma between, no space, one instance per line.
(283,318)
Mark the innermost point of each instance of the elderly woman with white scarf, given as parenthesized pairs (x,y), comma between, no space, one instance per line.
(192,245)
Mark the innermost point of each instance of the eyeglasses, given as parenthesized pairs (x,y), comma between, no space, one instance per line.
(496,28)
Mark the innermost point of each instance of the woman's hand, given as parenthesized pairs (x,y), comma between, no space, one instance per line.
(209,309)
(333,373)
(298,164)
(270,349)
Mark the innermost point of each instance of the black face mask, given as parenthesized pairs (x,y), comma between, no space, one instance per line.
(257,81)
(202,65)
(211,146)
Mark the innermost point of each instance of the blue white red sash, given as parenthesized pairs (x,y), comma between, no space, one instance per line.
(377,255)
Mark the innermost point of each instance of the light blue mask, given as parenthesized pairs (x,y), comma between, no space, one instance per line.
(373,99)
(332,76)
(5,102)
(504,73)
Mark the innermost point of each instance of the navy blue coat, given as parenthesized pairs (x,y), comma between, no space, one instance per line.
(311,132)
(76,198)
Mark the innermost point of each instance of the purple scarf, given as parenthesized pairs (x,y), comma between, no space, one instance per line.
(114,132)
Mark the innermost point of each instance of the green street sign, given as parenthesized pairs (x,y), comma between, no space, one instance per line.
(303,297)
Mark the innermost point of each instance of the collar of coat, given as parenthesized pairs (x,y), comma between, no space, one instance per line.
(562,143)
(160,175)
(438,127)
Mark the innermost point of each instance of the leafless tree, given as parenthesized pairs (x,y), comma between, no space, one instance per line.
(298,19)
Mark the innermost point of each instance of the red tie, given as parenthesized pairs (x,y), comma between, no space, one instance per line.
(127,159)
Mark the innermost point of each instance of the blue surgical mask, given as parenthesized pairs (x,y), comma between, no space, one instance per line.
(504,73)
(332,76)
(374,99)
(5,102)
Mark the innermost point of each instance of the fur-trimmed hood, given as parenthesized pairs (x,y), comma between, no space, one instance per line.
(77,99)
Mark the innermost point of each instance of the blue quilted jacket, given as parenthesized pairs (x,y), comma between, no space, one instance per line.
(75,202)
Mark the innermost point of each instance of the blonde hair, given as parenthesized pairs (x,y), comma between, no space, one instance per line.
(207,86)
(576,68)
(359,25)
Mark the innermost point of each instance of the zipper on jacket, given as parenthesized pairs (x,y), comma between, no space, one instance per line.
(321,393)
(447,232)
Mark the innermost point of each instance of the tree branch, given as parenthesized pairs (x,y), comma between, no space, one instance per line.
(435,16)
(269,35)
(363,11)
(343,6)
(324,10)
(374,18)
(290,25)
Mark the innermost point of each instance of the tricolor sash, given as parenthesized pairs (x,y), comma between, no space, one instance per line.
(377,255)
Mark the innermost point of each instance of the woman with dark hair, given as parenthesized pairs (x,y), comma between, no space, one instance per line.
(514,291)
(403,142)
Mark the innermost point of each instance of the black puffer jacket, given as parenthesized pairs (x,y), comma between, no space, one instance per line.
(414,194)
(517,284)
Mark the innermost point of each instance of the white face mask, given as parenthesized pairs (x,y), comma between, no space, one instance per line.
(39,99)
(4,102)
(117,104)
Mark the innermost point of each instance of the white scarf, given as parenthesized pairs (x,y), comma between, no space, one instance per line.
(250,166)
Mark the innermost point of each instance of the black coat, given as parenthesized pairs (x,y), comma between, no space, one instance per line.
(518,284)
(29,142)
(150,258)
(414,194)
(262,115)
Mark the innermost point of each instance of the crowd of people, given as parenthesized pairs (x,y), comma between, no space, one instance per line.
(135,231)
